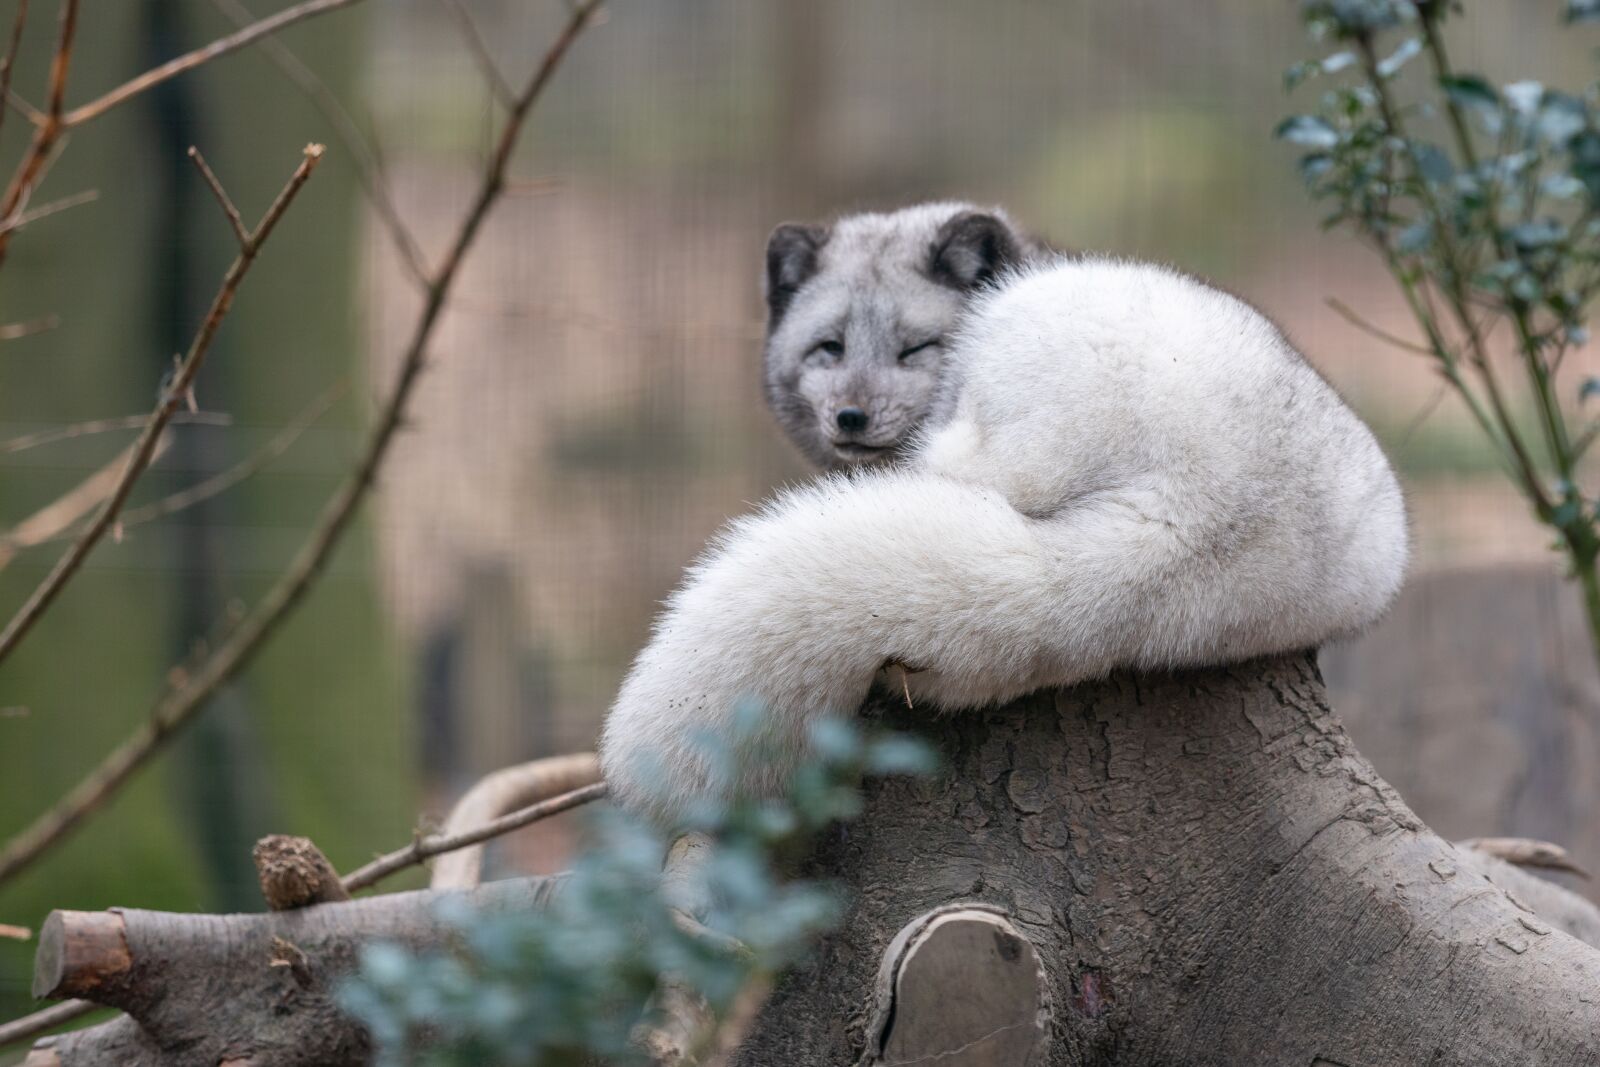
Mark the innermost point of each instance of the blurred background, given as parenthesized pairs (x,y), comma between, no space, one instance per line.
(592,411)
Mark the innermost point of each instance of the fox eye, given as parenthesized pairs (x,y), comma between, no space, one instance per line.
(832,348)
(914,349)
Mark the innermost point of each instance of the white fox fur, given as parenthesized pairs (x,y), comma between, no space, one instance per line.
(1133,469)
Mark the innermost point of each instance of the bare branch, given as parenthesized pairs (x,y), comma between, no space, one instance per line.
(423,848)
(15,933)
(182,700)
(1349,314)
(96,426)
(10,59)
(166,407)
(480,52)
(190,60)
(48,132)
(14,330)
(23,108)
(50,521)
(246,468)
(222,197)
(17,222)
(507,790)
(366,159)
(40,1022)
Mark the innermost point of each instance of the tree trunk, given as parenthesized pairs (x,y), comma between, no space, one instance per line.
(1208,873)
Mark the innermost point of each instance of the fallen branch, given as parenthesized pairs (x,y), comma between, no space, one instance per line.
(179,704)
(424,848)
(176,394)
(499,793)
(44,1020)
(235,989)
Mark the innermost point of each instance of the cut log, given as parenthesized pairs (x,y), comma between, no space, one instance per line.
(210,989)
(1210,875)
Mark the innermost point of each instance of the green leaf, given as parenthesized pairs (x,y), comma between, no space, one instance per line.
(1561,117)
(1538,234)
(1338,61)
(1399,57)
(1295,75)
(1524,96)
(1589,388)
(1315,165)
(1434,165)
(1415,238)
(1307,130)
(1471,91)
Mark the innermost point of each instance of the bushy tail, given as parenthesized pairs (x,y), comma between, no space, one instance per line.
(799,607)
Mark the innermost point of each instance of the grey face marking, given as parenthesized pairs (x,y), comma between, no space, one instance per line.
(857,319)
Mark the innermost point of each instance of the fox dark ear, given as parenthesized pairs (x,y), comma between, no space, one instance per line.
(972,248)
(792,252)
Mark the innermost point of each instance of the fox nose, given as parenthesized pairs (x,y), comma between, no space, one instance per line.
(852,420)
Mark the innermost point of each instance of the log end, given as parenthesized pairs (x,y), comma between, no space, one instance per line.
(81,954)
(961,979)
(42,1057)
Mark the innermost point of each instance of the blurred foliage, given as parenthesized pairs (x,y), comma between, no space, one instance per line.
(1483,202)
(551,988)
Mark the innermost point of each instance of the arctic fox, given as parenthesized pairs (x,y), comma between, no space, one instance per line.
(859,315)
(1119,466)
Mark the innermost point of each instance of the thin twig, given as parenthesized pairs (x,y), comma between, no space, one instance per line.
(1350,315)
(425,848)
(190,60)
(10,59)
(480,52)
(166,407)
(43,1021)
(15,933)
(15,101)
(88,196)
(26,441)
(222,481)
(365,157)
(222,196)
(181,702)
(34,161)
(12,331)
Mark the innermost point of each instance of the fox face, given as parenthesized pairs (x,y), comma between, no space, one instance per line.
(858,317)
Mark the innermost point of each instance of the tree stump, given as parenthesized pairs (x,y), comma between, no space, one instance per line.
(1209,873)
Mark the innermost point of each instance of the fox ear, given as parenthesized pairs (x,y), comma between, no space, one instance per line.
(791,260)
(972,248)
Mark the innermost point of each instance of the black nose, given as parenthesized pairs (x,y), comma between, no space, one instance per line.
(852,420)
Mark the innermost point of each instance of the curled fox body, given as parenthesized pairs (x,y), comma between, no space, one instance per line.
(1116,466)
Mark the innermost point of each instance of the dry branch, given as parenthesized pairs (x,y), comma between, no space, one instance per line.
(215,988)
(190,60)
(183,700)
(47,131)
(50,521)
(424,848)
(9,61)
(365,159)
(94,426)
(177,392)
(502,792)
(44,1020)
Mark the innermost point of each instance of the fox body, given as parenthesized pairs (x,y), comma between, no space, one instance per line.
(1115,465)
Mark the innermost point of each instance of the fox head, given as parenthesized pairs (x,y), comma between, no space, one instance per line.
(858,315)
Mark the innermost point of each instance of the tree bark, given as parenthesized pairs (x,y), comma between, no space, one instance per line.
(1209,873)
(204,990)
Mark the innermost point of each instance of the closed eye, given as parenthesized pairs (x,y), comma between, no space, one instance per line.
(914,349)
(832,348)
